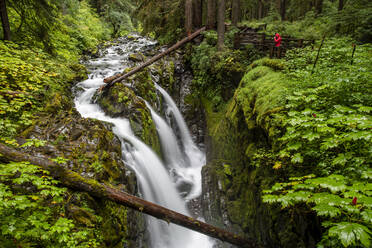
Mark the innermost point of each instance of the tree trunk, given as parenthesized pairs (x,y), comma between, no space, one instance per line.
(260,9)
(119,77)
(221,24)
(188,16)
(318,6)
(4,20)
(340,5)
(235,15)
(211,14)
(197,13)
(283,6)
(76,181)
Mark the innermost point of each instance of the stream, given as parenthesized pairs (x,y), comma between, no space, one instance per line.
(161,180)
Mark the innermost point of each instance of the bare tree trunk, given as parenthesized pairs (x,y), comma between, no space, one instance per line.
(318,6)
(211,14)
(260,9)
(4,20)
(235,15)
(76,181)
(120,77)
(197,13)
(283,9)
(188,16)
(221,24)
(340,5)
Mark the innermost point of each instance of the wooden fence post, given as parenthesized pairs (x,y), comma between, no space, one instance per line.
(236,41)
(352,56)
(317,56)
(271,51)
(300,42)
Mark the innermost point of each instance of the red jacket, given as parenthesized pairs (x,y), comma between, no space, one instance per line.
(277,40)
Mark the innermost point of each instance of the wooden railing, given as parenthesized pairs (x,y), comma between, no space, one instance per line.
(266,43)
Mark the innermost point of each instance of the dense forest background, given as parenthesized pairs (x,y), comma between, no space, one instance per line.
(317,119)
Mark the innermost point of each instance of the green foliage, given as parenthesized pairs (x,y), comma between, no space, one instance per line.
(355,19)
(79,30)
(32,212)
(117,14)
(328,134)
(350,233)
(302,20)
(28,78)
(162,18)
(331,198)
(61,28)
(262,89)
(217,74)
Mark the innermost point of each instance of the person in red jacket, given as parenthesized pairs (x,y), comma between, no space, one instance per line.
(277,40)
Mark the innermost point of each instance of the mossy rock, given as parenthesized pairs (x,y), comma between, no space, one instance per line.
(121,101)
(137,57)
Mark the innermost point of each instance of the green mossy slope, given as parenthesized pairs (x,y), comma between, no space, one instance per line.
(241,141)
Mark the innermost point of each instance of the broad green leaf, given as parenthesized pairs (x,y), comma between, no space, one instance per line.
(350,233)
(297,158)
(366,200)
(270,198)
(294,146)
(365,109)
(341,159)
(310,136)
(327,198)
(367,216)
(334,184)
(343,109)
(326,210)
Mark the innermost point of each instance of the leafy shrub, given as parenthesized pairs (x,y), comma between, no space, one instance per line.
(32,212)
(326,146)
(28,78)
(218,73)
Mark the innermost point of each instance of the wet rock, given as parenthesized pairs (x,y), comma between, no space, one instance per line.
(136,57)
(122,101)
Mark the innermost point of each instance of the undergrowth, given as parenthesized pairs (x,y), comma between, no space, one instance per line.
(29,79)
(328,139)
(32,211)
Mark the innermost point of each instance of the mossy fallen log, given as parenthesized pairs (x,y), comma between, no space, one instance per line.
(76,181)
(120,77)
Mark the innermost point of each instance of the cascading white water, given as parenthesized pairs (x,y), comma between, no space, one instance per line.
(195,159)
(155,183)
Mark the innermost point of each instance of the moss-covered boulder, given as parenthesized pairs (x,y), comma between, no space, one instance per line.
(137,57)
(121,101)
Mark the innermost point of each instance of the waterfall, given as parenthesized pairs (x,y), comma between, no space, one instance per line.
(157,181)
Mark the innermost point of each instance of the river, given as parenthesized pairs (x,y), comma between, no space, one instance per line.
(159,179)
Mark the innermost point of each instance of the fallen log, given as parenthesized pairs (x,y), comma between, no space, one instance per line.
(121,76)
(76,181)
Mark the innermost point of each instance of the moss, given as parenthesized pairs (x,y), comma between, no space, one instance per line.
(243,135)
(275,64)
(137,57)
